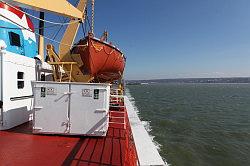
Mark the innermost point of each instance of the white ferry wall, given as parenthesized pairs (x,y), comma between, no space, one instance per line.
(16,57)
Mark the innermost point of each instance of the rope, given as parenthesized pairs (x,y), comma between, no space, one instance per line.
(22,27)
(84,25)
(34,28)
(88,22)
(92,15)
(51,22)
(83,30)
(55,34)
(64,20)
(102,48)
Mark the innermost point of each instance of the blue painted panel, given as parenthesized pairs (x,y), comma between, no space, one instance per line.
(28,47)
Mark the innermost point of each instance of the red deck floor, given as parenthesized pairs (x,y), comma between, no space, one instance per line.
(19,146)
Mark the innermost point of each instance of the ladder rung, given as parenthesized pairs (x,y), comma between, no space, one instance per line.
(117,123)
(117,96)
(117,106)
(117,111)
(117,117)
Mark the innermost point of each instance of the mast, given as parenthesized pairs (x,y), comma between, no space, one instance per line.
(41,38)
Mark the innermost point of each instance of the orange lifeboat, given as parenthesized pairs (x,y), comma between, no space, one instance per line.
(102,60)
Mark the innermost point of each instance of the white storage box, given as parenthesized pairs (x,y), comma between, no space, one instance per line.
(71,108)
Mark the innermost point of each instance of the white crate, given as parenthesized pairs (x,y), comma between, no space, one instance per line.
(71,108)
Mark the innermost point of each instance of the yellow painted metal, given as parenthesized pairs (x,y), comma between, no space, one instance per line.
(71,67)
(54,58)
(70,33)
(63,76)
(61,7)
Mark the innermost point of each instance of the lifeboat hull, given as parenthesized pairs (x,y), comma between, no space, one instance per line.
(101,60)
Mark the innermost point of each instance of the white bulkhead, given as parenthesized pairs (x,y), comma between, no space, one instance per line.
(16,74)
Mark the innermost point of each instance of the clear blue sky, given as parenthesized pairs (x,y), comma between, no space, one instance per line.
(178,38)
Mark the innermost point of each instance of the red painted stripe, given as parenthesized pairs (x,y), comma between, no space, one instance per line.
(89,150)
(94,164)
(118,120)
(117,114)
(110,132)
(122,133)
(96,157)
(116,133)
(119,126)
(82,163)
(123,150)
(18,13)
(81,150)
(74,163)
(116,155)
(106,155)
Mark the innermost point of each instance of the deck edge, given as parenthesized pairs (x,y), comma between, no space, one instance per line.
(146,150)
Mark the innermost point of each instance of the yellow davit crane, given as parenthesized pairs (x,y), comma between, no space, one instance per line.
(71,31)
(61,7)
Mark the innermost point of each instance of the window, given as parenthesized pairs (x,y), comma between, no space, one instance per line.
(20,80)
(14,39)
(19,75)
(20,84)
(42,77)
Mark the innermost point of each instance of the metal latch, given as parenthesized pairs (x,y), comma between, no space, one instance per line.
(68,93)
(37,128)
(37,108)
(100,110)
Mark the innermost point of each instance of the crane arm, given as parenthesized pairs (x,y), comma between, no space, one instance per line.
(61,7)
(70,33)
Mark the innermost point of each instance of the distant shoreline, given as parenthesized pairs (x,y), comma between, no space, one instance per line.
(182,83)
(233,80)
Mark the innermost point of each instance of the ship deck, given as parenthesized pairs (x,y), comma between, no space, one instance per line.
(19,146)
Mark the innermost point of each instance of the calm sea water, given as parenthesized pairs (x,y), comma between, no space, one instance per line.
(197,124)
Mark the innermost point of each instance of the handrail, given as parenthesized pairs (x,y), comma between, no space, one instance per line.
(62,63)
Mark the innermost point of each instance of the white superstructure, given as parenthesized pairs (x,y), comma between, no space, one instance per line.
(16,75)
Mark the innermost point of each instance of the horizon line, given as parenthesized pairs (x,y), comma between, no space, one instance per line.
(187,78)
